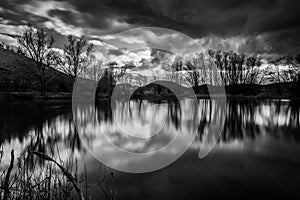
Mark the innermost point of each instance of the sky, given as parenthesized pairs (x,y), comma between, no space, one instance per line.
(264,27)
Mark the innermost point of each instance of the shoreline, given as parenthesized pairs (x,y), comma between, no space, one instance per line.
(284,90)
(33,96)
(24,96)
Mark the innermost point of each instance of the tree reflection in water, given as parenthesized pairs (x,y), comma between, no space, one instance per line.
(48,127)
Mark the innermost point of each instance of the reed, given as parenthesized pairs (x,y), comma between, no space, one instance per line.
(53,180)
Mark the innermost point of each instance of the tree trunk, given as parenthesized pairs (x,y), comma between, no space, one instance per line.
(42,80)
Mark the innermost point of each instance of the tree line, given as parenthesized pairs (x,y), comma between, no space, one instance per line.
(217,67)
(213,67)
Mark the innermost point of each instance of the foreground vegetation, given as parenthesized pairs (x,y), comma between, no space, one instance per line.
(35,175)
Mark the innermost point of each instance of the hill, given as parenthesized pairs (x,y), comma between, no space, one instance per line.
(20,74)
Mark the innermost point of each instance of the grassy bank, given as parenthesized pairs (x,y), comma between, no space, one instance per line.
(24,96)
(152,91)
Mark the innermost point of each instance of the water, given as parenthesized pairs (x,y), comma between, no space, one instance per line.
(256,154)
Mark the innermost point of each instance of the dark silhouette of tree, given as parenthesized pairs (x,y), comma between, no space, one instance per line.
(76,56)
(236,68)
(252,72)
(109,78)
(293,65)
(116,72)
(221,60)
(37,45)
(285,69)
(193,76)
(174,73)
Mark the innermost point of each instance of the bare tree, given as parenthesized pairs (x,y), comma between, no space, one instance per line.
(291,73)
(76,56)
(252,71)
(202,69)
(194,77)
(37,45)
(175,71)
(94,71)
(236,68)
(285,69)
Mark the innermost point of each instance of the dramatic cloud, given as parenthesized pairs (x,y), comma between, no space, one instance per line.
(259,26)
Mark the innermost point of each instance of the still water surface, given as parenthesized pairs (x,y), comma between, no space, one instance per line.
(256,154)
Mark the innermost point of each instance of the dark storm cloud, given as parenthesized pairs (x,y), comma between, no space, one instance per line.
(207,16)
(267,26)
(278,21)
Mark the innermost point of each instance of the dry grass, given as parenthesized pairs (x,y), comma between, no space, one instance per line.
(54,179)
